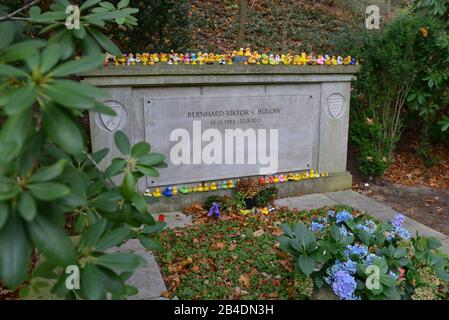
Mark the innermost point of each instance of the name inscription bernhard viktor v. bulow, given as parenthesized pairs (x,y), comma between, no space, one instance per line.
(224,137)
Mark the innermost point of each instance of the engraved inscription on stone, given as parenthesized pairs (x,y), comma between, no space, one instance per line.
(335,104)
(112,123)
(295,117)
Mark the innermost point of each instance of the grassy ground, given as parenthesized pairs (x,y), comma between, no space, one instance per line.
(233,258)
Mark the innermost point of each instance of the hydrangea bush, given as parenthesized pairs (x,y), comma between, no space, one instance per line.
(358,258)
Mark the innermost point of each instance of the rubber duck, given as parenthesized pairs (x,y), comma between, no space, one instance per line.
(334,61)
(291,177)
(184,190)
(353,61)
(245,211)
(206,187)
(122,60)
(281,178)
(213,186)
(264,210)
(195,189)
(174,191)
(347,60)
(262,180)
(224,185)
(230,184)
(303,59)
(157,193)
(320,60)
(271,209)
(200,188)
(131,61)
(168,192)
(271,179)
(327,60)
(247,52)
(276,179)
(147,192)
(340,60)
(312,173)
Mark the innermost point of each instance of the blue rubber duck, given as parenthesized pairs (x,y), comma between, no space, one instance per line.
(168,192)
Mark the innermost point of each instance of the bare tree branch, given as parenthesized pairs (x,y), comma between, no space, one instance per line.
(11,15)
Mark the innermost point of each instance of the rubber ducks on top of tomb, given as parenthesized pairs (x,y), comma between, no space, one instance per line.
(213,186)
(168,192)
(242,56)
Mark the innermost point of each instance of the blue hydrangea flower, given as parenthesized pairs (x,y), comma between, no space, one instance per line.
(343,216)
(394,275)
(359,250)
(370,258)
(315,226)
(403,233)
(331,213)
(344,232)
(322,219)
(398,221)
(368,226)
(348,266)
(344,285)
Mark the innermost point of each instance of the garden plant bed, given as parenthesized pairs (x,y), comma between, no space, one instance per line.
(238,257)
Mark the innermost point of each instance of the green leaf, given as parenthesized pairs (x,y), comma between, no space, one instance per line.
(387,280)
(433,243)
(150,243)
(122,142)
(152,159)
(27,206)
(306,264)
(64,96)
(13,135)
(7,33)
(91,283)
(48,191)
(128,187)
(78,66)
(107,5)
(120,262)
(105,43)
(139,203)
(140,149)
(79,88)
(148,171)
(112,238)
(122,4)
(4,213)
(21,50)
(10,71)
(114,168)
(304,236)
(62,129)
(93,234)
(104,109)
(50,57)
(15,253)
(80,33)
(50,172)
(21,99)
(159,226)
(51,240)
(112,282)
(89,3)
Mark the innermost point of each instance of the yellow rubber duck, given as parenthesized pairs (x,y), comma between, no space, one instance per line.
(230,184)
(200,188)
(247,52)
(195,189)
(265,210)
(157,193)
(206,187)
(347,61)
(213,186)
(276,179)
(174,191)
(303,59)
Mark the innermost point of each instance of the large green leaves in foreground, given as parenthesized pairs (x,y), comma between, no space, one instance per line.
(56,202)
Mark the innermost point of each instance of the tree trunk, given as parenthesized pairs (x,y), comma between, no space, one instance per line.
(242,23)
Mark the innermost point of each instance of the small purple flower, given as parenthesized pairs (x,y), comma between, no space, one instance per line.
(343,216)
(344,285)
(398,221)
(214,210)
(403,233)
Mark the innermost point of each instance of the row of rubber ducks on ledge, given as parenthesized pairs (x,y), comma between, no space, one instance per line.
(239,57)
(173,191)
